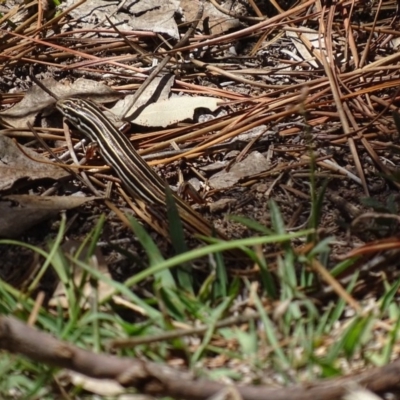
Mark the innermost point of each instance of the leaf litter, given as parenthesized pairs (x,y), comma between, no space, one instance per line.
(260,72)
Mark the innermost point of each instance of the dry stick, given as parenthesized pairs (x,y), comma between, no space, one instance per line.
(13,132)
(157,380)
(231,145)
(36,308)
(364,140)
(165,60)
(221,123)
(101,61)
(362,79)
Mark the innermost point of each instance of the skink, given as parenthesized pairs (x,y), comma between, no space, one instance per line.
(137,177)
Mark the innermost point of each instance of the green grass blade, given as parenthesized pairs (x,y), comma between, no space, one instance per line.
(184,272)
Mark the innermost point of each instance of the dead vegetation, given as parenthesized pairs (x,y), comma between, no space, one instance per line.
(245,102)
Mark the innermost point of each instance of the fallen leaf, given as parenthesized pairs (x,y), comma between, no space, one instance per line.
(155,108)
(15,165)
(102,387)
(216,166)
(173,110)
(218,22)
(255,163)
(220,205)
(360,394)
(302,49)
(158,89)
(21,212)
(36,100)
(146,15)
(307,40)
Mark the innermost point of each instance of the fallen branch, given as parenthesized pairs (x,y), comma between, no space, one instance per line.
(156,379)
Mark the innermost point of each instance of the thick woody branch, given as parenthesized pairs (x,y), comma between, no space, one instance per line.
(155,379)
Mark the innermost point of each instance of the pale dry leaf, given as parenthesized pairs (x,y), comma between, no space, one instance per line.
(255,163)
(18,12)
(312,40)
(361,394)
(221,205)
(103,387)
(158,89)
(227,393)
(154,15)
(395,42)
(215,167)
(173,110)
(218,22)
(21,212)
(146,15)
(36,100)
(15,165)
(302,48)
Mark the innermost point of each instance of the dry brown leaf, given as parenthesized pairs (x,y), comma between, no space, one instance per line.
(146,15)
(218,22)
(15,165)
(21,212)
(36,100)
(255,163)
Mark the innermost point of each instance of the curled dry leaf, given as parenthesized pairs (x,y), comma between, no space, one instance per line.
(21,212)
(15,165)
(37,100)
